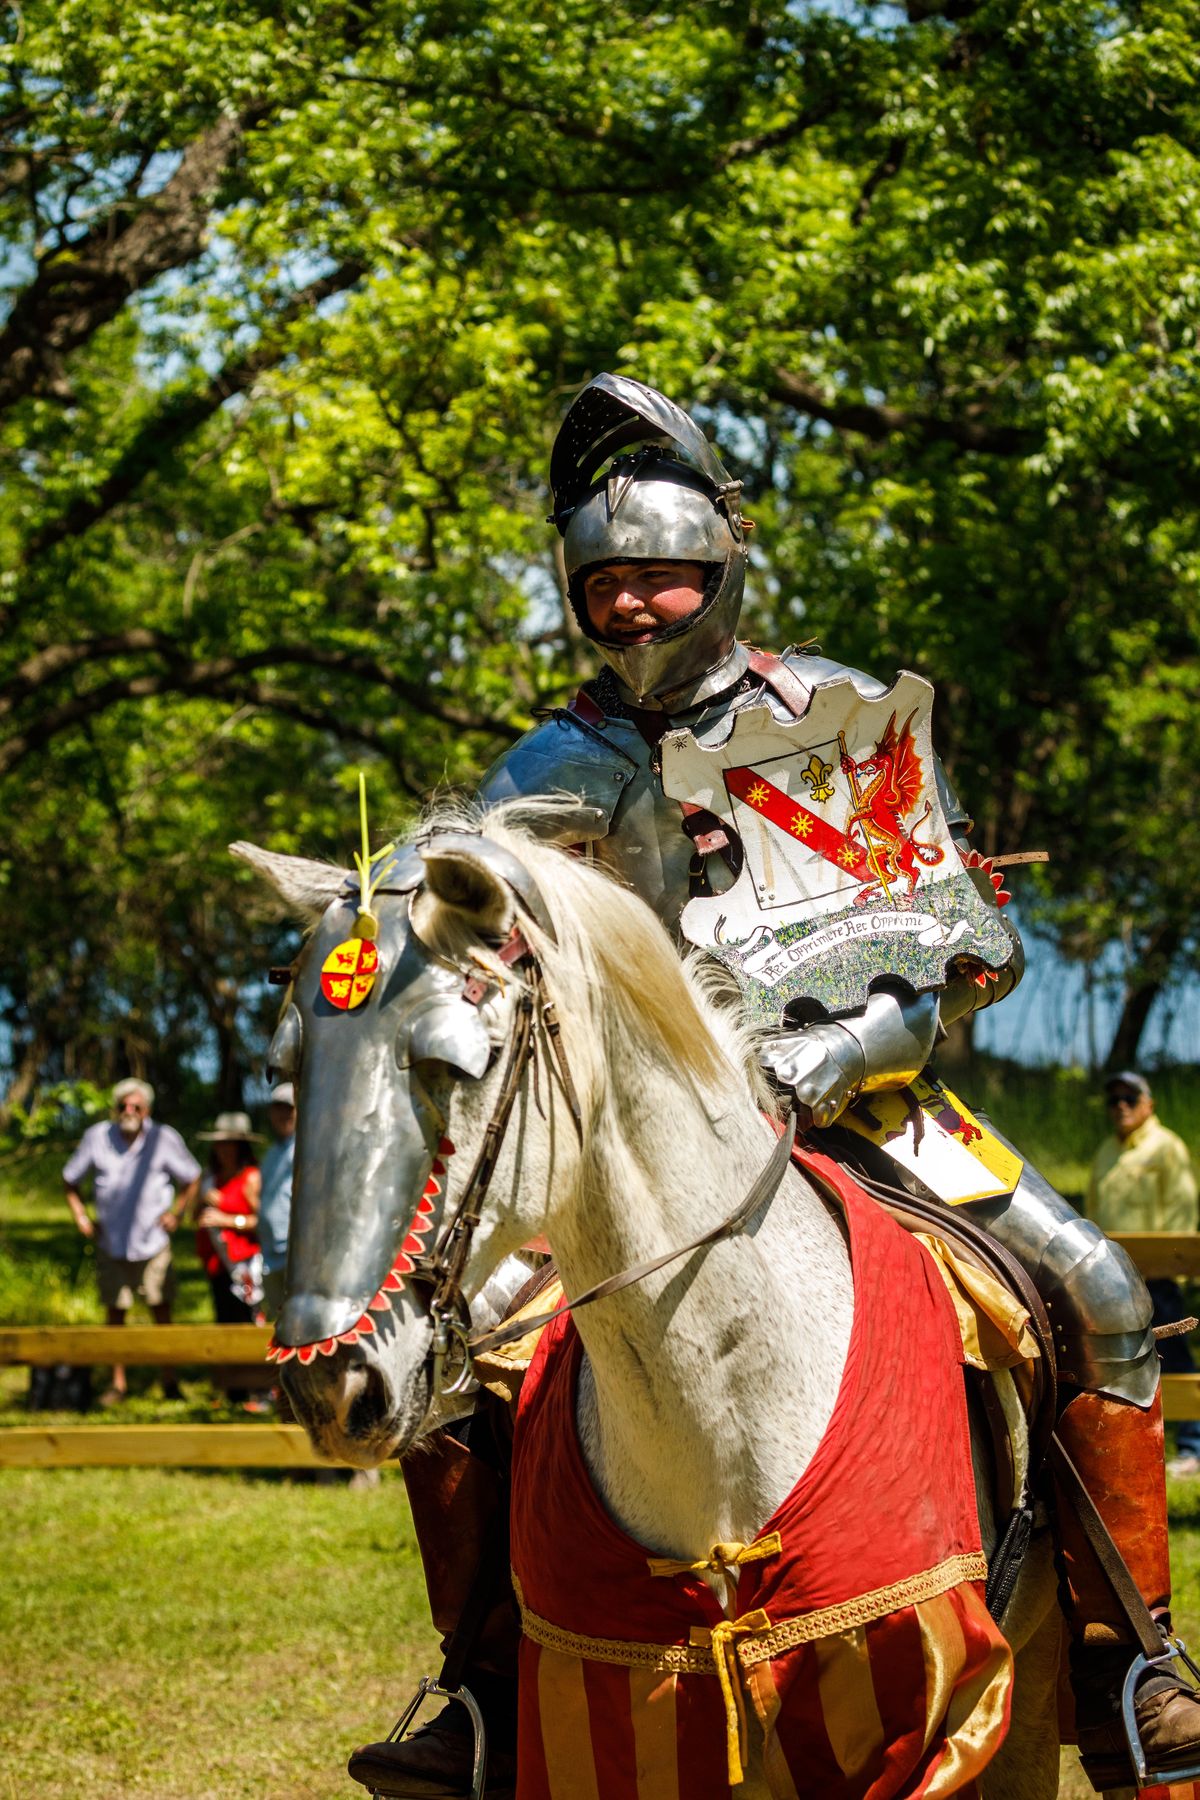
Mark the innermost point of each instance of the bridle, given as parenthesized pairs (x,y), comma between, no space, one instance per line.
(454,1342)
(452,1339)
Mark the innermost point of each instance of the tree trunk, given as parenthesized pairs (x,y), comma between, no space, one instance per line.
(1135,1011)
(24,1080)
(956,1057)
(229,1079)
(1154,966)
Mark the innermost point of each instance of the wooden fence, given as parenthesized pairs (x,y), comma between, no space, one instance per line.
(115,1445)
(267,1446)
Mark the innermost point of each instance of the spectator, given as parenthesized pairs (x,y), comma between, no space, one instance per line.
(143,1177)
(227,1238)
(276,1209)
(1142,1180)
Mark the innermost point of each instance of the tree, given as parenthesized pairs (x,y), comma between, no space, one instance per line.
(297,298)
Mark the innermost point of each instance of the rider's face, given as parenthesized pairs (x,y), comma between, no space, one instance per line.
(631,602)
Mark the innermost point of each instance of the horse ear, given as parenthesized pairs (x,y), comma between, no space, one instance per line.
(460,877)
(307,886)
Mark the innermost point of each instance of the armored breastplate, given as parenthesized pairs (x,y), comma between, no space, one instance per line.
(599,756)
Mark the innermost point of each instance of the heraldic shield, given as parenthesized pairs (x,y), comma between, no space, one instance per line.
(850,873)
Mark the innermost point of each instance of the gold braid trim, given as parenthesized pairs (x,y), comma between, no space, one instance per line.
(664,1659)
(761,1646)
(865,1609)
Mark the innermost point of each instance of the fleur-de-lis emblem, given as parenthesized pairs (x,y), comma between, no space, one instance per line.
(817,776)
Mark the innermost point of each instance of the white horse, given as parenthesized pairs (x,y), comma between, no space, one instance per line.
(708,1387)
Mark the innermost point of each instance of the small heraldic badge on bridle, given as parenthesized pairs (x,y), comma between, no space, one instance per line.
(850,874)
(349,971)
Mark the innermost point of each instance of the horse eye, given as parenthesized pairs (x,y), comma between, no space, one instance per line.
(283,1055)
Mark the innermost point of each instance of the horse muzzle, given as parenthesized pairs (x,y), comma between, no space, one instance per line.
(351,1406)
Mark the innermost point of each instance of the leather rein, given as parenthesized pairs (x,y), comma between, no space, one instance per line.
(454,1343)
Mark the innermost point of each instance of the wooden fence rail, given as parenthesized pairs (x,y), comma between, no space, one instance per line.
(135,1345)
(157,1447)
(1174,1253)
(257,1446)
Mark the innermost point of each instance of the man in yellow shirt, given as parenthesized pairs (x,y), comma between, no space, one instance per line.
(1142,1180)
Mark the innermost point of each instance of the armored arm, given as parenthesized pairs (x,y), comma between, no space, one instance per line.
(569,775)
(885,1045)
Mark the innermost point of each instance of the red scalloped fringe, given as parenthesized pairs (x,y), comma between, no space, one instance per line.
(392,1282)
(973,859)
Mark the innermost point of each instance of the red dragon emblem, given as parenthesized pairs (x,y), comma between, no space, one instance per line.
(887,786)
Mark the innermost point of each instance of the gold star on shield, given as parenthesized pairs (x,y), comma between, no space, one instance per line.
(758,794)
(802,825)
(847,856)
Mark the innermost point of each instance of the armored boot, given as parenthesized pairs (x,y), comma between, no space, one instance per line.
(460,1515)
(1117,1452)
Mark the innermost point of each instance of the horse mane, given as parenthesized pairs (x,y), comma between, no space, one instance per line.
(679,1010)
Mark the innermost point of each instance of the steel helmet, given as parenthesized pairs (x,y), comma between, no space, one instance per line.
(664,496)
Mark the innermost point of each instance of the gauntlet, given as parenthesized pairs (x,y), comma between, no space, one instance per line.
(828,1064)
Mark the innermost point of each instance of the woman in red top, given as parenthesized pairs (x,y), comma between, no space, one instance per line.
(227,1218)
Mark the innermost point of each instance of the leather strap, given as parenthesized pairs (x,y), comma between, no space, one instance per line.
(783,682)
(763,1190)
(1141,1620)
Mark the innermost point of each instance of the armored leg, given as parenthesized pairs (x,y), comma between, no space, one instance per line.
(1111,1427)
(1099,1306)
(459,1502)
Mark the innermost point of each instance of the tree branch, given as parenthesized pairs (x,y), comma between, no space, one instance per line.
(219,676)
(57,659)
(318,718)
(889,165)
(970,430)
(779,135)
(180,417)
(918,11)
(81,286)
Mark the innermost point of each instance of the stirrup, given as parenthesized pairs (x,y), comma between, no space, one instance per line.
(1175,1651)
(430,1685)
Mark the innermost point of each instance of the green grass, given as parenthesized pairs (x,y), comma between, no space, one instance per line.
(203,1636)
(186,1635)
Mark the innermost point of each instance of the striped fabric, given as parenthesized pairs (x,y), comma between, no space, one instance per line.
(912,1704)
(861,1656)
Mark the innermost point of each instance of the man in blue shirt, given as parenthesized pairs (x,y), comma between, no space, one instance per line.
(143,1179)
(275,1207)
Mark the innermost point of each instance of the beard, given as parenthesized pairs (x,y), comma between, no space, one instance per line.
(128,1127)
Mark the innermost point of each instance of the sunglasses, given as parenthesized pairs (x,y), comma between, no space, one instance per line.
(1115,1100)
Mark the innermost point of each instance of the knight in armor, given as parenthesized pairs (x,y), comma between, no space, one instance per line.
(655,550)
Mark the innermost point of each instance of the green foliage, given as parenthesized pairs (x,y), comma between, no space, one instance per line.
(298,297)
(60,1105)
